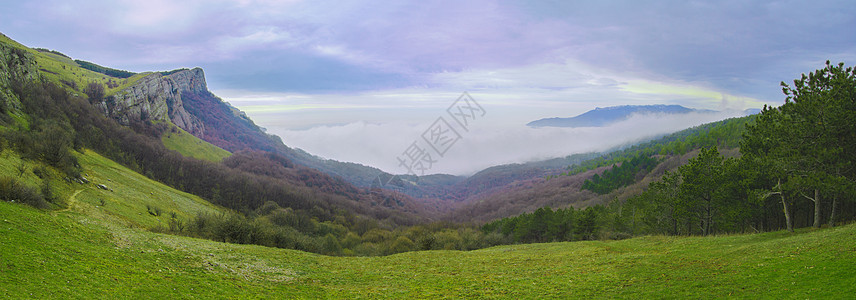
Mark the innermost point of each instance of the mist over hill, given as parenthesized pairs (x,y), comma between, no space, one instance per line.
(603,116)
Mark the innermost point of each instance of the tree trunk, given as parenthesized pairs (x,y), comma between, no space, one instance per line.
(675,230)
(816,209)
(708,217)
(788,220)
(832,215)
(816,201)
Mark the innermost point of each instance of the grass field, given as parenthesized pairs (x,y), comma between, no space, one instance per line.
(189,145)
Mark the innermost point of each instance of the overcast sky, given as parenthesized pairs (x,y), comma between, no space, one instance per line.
(360,80)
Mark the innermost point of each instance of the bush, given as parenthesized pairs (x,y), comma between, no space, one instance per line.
(154,211)
(267,208)
(41,172)
(402,244)
(175,224)
(47,191)
(289,218)
(330,245)
(95,91)
(13,191)
(366,249)
(49,142)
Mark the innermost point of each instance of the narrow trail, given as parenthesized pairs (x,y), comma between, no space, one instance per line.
(72,200)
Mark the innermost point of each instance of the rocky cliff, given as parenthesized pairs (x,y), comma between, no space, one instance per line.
(158,97)
(14,63)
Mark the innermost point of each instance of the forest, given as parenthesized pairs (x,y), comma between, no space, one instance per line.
(104,70)
(619,176)
(795,170)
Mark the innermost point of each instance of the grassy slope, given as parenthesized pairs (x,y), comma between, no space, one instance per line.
(131,193)
(125,204)
(56,68)
(189,145)
(79,254)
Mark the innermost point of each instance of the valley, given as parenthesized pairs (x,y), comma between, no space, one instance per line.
(146,185)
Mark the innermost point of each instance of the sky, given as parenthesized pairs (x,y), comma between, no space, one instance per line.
(361,81)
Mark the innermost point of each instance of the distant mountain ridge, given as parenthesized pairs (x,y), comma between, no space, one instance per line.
(603,116)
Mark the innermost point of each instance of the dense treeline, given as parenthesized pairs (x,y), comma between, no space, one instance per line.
(726,133)
(52,51)
(274,226)
(565,189)
(806,148)
(796,170)
(104,70)
(701,197)
(547,225)
(620,175)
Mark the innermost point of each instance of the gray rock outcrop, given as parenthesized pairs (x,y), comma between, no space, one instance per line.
(15,63)
(158,97)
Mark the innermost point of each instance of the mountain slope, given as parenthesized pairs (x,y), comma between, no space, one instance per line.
(604,116)
(526,191)
(181,97)
(189,145)
(308,209)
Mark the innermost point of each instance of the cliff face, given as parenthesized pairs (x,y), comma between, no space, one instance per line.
(14,63)
(158,97)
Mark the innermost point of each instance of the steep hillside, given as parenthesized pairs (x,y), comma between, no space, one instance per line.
(46,122)
(189,145)
(181,97)
(108,191)
(553,191)
(537,185)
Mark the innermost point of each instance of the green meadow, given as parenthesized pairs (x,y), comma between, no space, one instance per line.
(189,145)
(96,243)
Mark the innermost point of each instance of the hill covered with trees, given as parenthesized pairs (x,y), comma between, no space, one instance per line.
(795,169)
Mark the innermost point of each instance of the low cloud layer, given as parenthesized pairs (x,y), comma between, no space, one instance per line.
(378,144)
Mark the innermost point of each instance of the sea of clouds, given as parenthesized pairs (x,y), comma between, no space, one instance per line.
(379,144)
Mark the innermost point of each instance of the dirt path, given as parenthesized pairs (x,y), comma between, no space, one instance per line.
(71,201)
